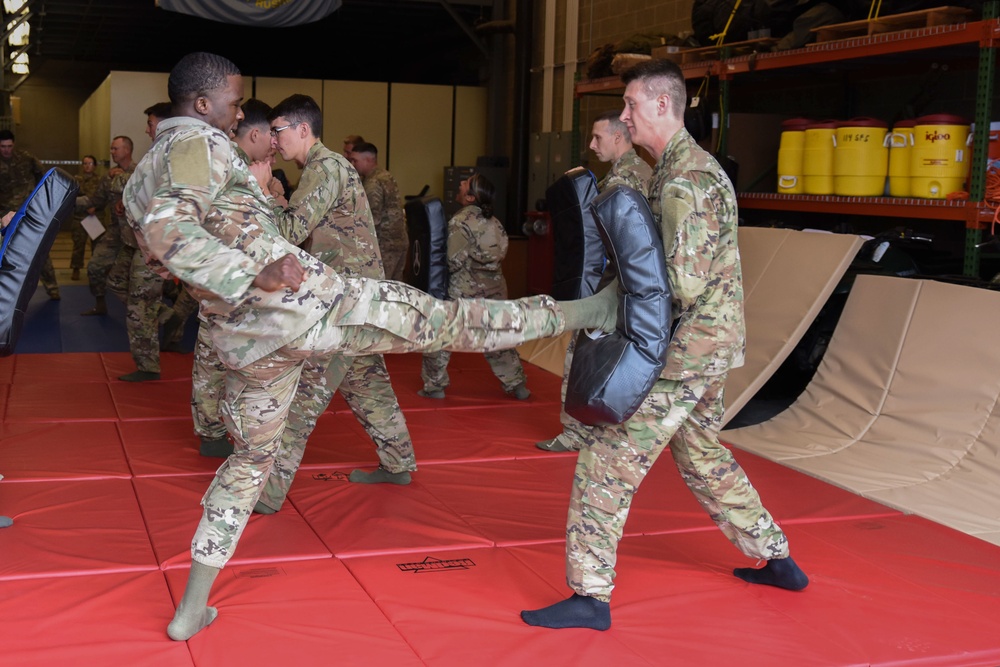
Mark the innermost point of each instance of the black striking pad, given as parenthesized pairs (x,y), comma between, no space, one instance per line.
(612,374)
(26,244)
(579,253)
(428,232)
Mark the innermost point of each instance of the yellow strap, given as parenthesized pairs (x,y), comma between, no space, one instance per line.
(722,35)
(874,10)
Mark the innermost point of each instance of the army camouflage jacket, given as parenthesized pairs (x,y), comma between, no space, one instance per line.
(88,186)
(109,193)
(201,216)
(18,177)
(476,247)
(630,170)
(387,209)
(693,201)
(328,216)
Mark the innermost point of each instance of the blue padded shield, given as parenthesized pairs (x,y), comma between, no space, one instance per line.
(579,253)
(26,243)
(428,231)
(612,374)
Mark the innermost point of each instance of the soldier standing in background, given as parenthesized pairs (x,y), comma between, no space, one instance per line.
(108,244)
(387,209)
(19,174)
(89,181)
(611,142)
(350,141)
(477,244)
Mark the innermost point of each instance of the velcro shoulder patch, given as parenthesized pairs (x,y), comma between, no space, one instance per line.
(189,163)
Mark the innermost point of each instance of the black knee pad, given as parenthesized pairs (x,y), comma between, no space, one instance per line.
(428,232)
(26,244)
(579,252)
(612,374)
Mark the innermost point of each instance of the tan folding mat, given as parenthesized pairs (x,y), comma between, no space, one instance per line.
(903,408)
(787,277)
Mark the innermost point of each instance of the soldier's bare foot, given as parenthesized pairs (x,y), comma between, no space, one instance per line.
(187,625)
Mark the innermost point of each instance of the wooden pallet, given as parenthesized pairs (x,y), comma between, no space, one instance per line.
(925,18)
(685,56)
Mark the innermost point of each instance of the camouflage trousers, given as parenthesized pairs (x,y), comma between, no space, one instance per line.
(259,396)
(686,416)
(80,238)
(364,383)
(103,258)
(48,278)
(574,432)
(143,305)
(505,364)
(208,383)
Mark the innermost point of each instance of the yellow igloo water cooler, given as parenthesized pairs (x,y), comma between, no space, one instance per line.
(900,142)
(817,158)
(860,157)
(791,155)
(940,157)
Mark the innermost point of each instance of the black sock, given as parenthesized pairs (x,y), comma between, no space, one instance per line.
(577,611)
(780,572)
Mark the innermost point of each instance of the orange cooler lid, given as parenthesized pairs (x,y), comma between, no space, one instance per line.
(822,125)
(795,124)
(863,122)
(941,119)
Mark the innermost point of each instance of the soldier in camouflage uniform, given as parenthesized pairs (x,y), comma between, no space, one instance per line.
(109,244)
(19,174)
(202,217)
(693,201)
(611,142)
(477,244)
(387,209)
(89,181)
(328,216)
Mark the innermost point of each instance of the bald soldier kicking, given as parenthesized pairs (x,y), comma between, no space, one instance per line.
(202,217)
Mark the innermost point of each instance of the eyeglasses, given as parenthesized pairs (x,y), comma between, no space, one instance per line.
(275,130)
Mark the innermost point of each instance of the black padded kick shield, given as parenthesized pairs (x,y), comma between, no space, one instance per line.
(612,374)
(26,243)
(428,231)
(579,253)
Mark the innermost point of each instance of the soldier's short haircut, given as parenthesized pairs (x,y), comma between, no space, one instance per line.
(6,135)
(127,140)
(365,147)
(300,109)
(255,114)
(161,110)
(92,159)
(354,139)
(197,74)
(658,77)
(615,123)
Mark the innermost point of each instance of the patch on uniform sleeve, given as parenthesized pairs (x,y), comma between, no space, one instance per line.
(190,163)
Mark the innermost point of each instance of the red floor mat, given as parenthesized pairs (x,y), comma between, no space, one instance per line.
(371,519)
(172,366)
(77,366)
(305,613)
(527,500)
(152,400)
(108,620)
(54,400)
(165,447)
(461,608)
(172,509)
(72,528)
(61,450)
(7,368)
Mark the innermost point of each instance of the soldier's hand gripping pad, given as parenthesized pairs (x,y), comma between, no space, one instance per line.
(26,243)
(611,375)
(428,231)
(579,253)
